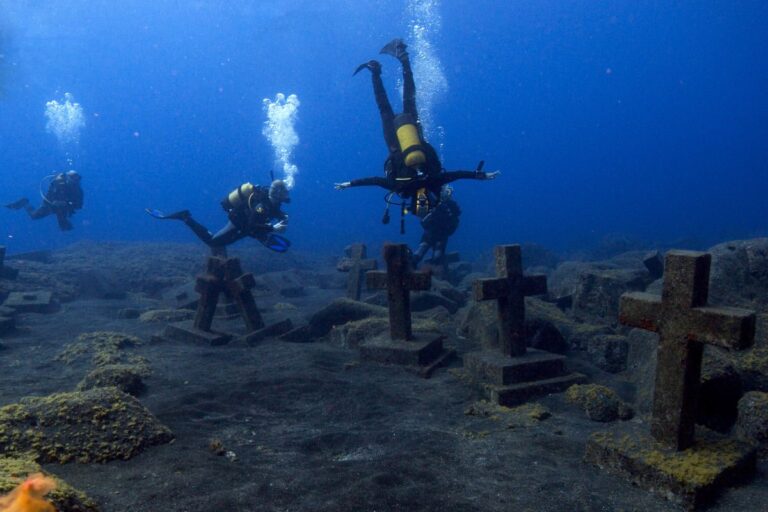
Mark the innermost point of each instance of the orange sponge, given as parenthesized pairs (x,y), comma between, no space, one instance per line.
(28,496)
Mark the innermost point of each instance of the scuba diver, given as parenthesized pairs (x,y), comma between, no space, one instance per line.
(412,170)
(439,224)
(253,210)
(63,198)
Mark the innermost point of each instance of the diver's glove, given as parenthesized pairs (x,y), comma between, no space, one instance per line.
(491,175)
(342,186)
(280,227)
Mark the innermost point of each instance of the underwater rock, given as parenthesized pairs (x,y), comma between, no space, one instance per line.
(599,402)
(352,334)
(608,352)
(105,348)
(739,275)
(14,470)
(753,369)
(166,315)
(129,313)
(340,312)
(98,284)
(125,377)
(641,367)
(543,335)
(97,425)
(752,422)
(597,295)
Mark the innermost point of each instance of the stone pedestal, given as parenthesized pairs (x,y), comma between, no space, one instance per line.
(510,381)
(423,353)
(691,478)
(188,333)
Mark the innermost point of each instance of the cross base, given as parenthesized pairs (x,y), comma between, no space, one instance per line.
(510,381)
(691,478)
(423,353)
(272,330)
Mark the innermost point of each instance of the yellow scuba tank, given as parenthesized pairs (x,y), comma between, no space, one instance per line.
(410,142)
(238,197)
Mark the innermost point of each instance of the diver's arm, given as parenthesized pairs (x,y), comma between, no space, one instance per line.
(373,181)
(450,176)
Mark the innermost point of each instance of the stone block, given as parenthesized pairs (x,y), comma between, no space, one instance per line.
(609,352)
(420,351)
(691,478)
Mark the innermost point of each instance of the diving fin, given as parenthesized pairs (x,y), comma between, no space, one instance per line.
(275,242)
(372,65)
(180,215)
(395,48)
(18,205)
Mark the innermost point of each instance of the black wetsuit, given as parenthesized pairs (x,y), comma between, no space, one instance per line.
(252,219)
(63,199)
(439,224)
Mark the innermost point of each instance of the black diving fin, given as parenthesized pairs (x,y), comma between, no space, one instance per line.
(373,65)
(180,215)
(395,48)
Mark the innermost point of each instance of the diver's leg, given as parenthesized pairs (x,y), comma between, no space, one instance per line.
(227,235)
(439,251)
(197,228)
(421,250)
(39,213)
(64,223)
(409,87)
(385,111)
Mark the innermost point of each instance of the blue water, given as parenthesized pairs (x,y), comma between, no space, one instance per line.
(647,119)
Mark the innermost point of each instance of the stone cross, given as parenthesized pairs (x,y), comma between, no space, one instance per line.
(685,324)
(509,290)
(399,280)
(224,275)
(360,265)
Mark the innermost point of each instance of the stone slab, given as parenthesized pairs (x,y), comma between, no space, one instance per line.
(517,394)
(186,332)
(691,478)
(30,302)
(422,350)
(6,311)
(501,370)
(275,329)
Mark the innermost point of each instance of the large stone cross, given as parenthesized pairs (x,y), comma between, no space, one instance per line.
(6,272)
(360,265)
(509,290)
(399,280)
(684,324)
(225,275)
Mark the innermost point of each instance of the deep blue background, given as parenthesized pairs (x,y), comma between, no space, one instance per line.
(644,118)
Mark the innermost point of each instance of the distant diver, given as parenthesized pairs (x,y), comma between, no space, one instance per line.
(439,224)
(63,198)
(253,211)
(412,170)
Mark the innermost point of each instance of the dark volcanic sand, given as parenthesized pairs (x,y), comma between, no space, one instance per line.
(312,432)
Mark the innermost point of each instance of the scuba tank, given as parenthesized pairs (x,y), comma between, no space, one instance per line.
(410,142)
(238,197)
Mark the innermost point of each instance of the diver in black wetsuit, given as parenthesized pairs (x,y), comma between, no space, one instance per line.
(253,211)
(63,198)
(412,170)
(439,224)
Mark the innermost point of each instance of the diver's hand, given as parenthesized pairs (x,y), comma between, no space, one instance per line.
(279,227)
(491,175)
(342,186)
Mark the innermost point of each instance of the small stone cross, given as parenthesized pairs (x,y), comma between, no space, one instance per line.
(685,324)
(509,290)
(399,280)
(225,275)
(360,265)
